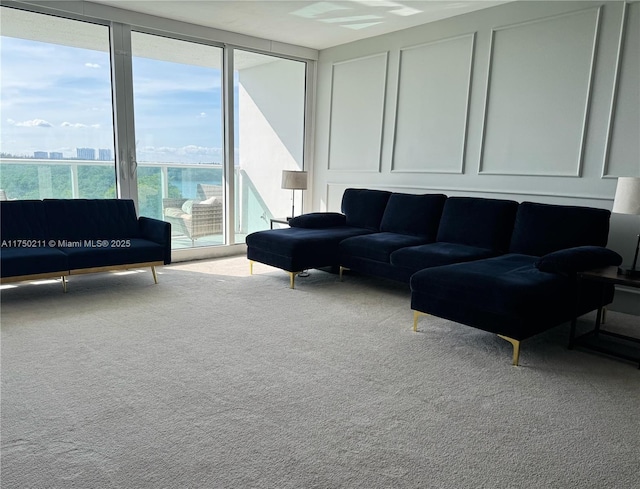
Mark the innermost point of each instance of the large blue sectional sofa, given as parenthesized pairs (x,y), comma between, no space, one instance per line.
(498,265)
(62,237)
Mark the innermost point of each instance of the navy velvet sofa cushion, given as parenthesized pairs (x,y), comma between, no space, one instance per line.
(23,219)
(138,251)
(543,228)
(579,259)
(15,262)
(471,228)
(416,258)
(92,219)
(408,220)
(318,220)
(376,246)
(364,208)
(415,215)
(474,221)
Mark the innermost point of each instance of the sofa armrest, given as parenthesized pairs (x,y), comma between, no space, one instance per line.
(157,231)
(318,220)
(578,259)
(173,202)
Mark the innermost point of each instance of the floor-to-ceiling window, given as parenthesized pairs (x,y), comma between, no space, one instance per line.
(94,108)
(57,126)
(177,94)
(269,115)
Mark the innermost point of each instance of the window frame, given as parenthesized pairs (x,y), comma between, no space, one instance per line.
(120,27)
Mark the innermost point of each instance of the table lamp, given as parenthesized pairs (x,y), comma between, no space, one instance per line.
(627,201)
(294,180)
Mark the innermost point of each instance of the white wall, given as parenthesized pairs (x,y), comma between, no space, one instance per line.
(534,101)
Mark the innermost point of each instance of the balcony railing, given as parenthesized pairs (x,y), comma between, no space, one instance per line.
(30,178)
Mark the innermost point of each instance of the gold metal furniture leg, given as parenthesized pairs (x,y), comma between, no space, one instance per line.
(342,269)
(416,315)
(155,275)
(516,348)
(64,284)
(292,279)
(250,267)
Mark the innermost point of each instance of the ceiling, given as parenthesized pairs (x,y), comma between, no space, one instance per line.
(312,24)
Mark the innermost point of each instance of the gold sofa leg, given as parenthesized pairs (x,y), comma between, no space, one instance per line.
(292,279)
(416,315)
(342,269)
(250,267)
(516,348)
(155,275)
(64,284)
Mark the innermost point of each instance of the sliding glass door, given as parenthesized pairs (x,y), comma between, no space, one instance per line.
(177,100)
(269,116)
(57,125)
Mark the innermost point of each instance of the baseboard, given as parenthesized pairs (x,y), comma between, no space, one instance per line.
(626,300)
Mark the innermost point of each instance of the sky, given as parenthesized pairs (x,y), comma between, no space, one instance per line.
(56,98)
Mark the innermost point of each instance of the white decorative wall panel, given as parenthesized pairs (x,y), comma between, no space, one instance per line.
(334,196)
(432,109)
(538,95)
(357,112)
(624,136)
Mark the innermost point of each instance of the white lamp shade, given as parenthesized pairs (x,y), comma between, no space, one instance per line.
(294,180)
(627,199)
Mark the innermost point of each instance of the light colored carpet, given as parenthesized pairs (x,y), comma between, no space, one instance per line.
(218,379)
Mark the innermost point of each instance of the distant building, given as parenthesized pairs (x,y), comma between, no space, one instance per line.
(53,155)
(86,153)
(104,155)
(40,155)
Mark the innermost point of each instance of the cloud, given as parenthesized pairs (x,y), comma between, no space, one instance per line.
(79,125)
(177,155)
(189,149)
(92,65)
(31,123)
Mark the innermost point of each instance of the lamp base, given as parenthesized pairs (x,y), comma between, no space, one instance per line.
(628,272)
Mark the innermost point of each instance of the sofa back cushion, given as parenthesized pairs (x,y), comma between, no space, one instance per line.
(74,219)
(476,221)
(364,208)
(23,219)
(544,228)
(415,215)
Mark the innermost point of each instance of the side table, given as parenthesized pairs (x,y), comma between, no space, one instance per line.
(279,220)
(627,347)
